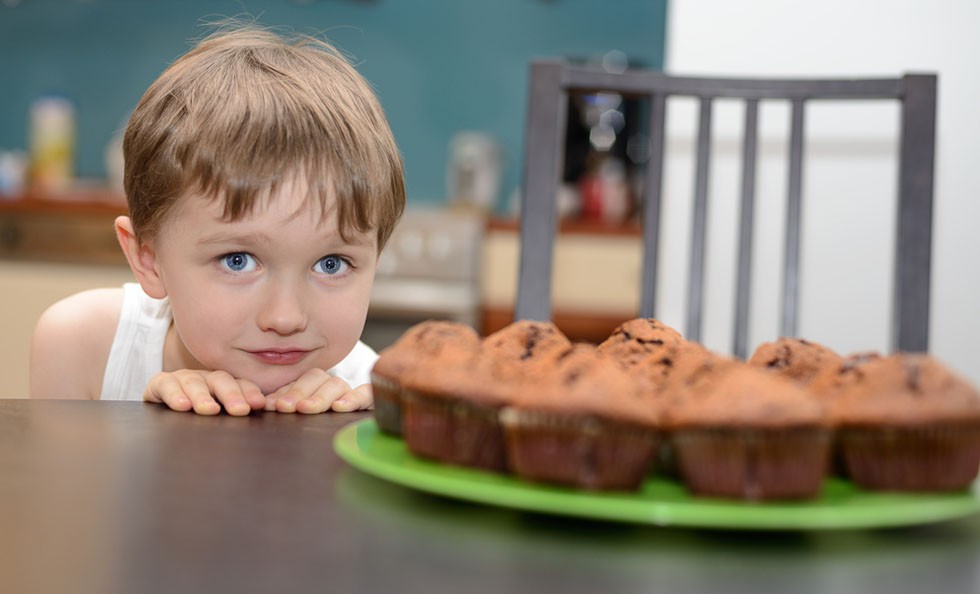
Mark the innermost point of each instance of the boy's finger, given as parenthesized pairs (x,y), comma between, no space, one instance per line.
(310,383)
(166,389)
(197,389)
(326,397)
(228,392)
(270,400)
(360,398)
(253,395)
(315,404)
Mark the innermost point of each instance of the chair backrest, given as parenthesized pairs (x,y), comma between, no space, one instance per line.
(551,81)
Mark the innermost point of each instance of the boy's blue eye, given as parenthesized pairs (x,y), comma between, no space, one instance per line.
(331,265)
(238,262)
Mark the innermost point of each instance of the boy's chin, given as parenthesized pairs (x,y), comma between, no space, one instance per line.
(271,383)
(271,378)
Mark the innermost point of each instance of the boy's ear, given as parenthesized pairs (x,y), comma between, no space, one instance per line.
(141,257)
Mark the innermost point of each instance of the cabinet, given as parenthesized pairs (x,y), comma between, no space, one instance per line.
(76,229)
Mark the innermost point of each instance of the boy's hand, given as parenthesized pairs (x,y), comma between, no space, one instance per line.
(206,392)
(317,391)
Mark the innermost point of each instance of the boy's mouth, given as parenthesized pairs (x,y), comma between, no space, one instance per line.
(280,357)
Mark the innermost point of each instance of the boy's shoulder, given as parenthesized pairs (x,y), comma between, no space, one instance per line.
(89,310)
(72,339)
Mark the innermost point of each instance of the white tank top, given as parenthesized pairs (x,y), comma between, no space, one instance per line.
(136,354)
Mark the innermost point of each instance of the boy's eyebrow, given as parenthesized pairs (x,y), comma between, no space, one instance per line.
(249,238)
(257,237)
(360,239)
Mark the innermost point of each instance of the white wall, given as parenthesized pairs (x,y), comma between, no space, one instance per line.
(849,178)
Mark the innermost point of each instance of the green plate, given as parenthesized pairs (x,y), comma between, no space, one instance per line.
(659,501)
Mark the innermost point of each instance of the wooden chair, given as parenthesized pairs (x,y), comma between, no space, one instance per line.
(551,82)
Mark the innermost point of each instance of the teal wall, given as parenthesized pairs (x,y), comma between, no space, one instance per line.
(439,66)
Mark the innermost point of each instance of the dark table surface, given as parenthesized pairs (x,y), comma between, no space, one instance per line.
(124,497)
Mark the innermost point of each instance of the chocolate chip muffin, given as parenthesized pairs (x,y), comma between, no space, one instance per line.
(740,432)
(525,341)
(424,340)
(906,422)
(452,404)
(583,422)
(829,384)
(639,338)
(795,358)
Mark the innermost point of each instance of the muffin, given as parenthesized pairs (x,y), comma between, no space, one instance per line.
(426,339)
(906,422)
(670,363)
(666,375)
(582,422)
(525,341)
(742,433)
(637,339)
(832,381)
(691,367)
(452,403)
(794,358)
(829,384)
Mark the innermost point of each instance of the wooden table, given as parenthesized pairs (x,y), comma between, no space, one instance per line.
(108,497)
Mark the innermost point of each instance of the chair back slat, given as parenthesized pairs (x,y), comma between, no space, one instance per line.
(743,276)
(794,212)
(699,220)
(652,189)
(910,320)
(545,132)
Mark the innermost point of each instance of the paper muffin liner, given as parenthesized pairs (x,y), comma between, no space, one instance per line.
(666,460)
(587,452)
(753,463)
(928,458)
(838,466)
(452,430)
(387,404)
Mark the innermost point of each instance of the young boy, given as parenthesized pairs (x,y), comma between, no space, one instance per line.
(262,181)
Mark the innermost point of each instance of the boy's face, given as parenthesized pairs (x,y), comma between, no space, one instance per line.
(268,297)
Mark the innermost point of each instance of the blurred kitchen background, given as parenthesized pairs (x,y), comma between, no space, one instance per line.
(452,76)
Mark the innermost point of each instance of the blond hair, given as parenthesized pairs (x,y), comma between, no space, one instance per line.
(248,110)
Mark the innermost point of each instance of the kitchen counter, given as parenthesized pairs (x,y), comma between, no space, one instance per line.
(73,228)
(83,200)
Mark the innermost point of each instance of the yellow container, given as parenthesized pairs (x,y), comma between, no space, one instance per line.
(52,143)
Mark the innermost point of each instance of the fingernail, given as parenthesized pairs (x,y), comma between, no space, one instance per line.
(208,408)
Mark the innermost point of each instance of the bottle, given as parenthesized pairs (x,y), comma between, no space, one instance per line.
(474,171)
(13,164)
(604,190)
(52,143)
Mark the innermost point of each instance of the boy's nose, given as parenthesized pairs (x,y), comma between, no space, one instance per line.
(284,311)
